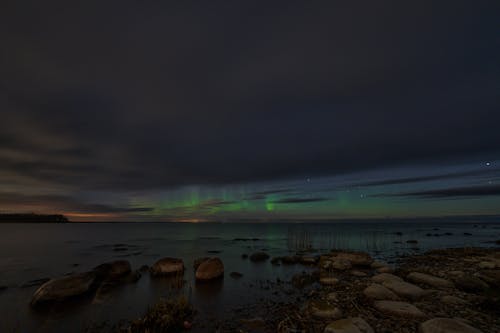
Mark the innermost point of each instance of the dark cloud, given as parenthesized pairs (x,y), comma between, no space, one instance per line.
(135,95)
(298,200)
(472,191)
(446,176)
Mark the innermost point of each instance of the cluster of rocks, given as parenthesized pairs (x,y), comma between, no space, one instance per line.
(440,291)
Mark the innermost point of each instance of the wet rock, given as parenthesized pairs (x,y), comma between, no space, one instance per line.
(210,269)
(259,256)
(491,276)
(340,264)
(356,258)
(323,310)
(61,289)
(379,292)
(328,281)
(452,300)
(349,325)
(236,275)
(113,270)
(197,262)
(470,283)
(430,280)
(446,325)
(399,309)
(405,289)
(385,277)
(167,266)
(303,279)
(377,264)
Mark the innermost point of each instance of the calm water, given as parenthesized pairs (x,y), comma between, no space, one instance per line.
(34,251)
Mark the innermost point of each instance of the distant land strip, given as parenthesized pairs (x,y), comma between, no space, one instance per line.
(32,218)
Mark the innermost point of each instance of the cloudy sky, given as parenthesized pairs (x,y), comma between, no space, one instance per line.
(193,111)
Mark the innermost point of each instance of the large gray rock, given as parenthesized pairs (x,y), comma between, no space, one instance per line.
(405,289)
(386,277)
(61,289)
(210,269)
(429,280)
(349,325)
(167,266)
(399,309)
(446,325)
(379,292)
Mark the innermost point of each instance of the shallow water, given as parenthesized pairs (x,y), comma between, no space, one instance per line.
(34,251)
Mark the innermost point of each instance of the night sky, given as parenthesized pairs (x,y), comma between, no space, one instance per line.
(249,111)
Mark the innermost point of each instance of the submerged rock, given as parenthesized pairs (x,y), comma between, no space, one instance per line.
(430,280)
(399,309)
(259,256)
(198,261)
(210,269)
(446,325)
(349,325)
(167,266)
(61,289)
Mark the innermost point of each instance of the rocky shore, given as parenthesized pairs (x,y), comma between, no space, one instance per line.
(452,290)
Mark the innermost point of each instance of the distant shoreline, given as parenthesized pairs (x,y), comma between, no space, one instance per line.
(32,218)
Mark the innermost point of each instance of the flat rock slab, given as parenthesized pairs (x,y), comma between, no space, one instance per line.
(405,289)
(429,280)
(446,325)
(385,277)
(349,325)
(379,292)
(399,309)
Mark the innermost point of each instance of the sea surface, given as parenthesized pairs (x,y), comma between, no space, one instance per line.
(36,251)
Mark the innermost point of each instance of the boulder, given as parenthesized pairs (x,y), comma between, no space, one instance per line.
(399,309)
(210,269)
(385,277)
(61,289)
(349,325)
(405,289)
(167,266)
(379,292)
(259,256)
(446,325)
(430,280)
(112,271)
(470,283)
(197,262)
